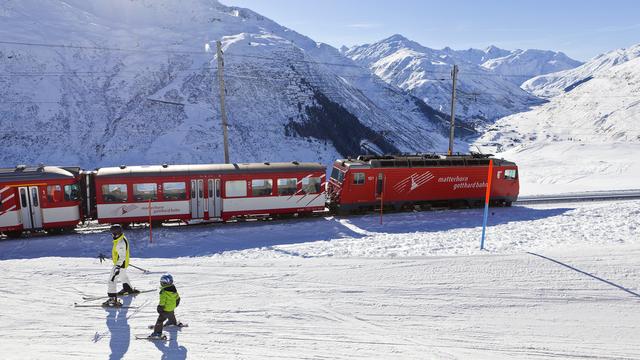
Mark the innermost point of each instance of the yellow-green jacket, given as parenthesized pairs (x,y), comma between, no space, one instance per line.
(120,251)
(169,298)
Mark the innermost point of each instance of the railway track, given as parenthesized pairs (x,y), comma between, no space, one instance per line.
(580,197)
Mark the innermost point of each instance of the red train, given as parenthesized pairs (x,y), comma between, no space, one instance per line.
(58,198)
(44,197)
(426,180)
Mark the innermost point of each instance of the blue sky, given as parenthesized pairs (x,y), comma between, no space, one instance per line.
(581,29)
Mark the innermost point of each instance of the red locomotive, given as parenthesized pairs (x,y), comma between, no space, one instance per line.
(58,198)
(421,180)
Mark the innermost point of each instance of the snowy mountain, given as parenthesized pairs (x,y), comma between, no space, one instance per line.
(98,83)
(520,65)
(583,137)
(488,80)
(564,81)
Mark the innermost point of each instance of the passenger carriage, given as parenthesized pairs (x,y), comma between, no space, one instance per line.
(39,198)
(421,180)
(214,192)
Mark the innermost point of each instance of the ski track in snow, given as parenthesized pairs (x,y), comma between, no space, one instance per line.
(557,281)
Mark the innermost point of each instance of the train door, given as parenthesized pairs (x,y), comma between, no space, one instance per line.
(197,199)
(215,202)
(30,207)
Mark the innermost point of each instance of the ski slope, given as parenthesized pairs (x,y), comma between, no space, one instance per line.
(556,281)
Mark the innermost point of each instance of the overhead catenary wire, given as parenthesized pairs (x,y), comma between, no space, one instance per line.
(285,78)
(316,78)
(444,72)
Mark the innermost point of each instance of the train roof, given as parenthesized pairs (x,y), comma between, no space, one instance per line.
(422,160)
(197,169)
(32,173)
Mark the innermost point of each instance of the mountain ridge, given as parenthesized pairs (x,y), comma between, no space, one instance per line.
(138,85)
(485,95)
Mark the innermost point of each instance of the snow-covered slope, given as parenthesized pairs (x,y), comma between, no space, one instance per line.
(488,80)
(138,85)
(581,139)
(555,281)
(564,81)
(520,65)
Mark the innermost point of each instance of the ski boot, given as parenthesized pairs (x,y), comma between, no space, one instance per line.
(128,290)
(112,302)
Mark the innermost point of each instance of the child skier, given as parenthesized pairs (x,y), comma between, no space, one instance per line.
(169,300)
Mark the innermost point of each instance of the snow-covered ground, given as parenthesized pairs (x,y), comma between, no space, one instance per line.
(557,281)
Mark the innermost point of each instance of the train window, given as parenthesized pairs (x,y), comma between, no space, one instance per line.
(54,193)
(510,174)
(261,187)
(146,191)
(236,188)
(114,193)
(1,206)
(311,185)
(23,198)
(287,186)
(71,192)
(174,191)
(358,178)
(34,196)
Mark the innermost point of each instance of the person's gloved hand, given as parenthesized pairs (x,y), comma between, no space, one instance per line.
(160,309)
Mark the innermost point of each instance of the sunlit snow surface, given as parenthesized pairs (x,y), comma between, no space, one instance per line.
(414,287)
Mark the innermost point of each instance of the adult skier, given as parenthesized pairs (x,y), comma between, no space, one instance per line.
(120,257)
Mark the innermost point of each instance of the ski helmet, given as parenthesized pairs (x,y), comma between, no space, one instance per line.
(116,229)
(166,280)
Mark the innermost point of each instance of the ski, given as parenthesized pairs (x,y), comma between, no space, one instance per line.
(104,306)
(90,298)
(152,338)
(179,326)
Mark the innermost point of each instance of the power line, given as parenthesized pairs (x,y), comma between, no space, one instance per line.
(444,72)
(203,52)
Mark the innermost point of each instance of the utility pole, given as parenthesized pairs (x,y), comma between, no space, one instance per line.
(454,75)
(223,113)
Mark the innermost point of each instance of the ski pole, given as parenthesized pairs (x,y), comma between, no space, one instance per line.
(141,269)
(102,258)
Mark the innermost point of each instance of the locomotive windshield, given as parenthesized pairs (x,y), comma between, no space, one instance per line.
(337,175)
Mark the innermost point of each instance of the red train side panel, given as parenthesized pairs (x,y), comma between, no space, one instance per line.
(216,192)
(44,197)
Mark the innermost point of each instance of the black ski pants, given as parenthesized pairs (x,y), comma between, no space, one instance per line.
(165,315)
